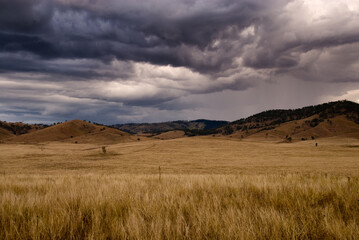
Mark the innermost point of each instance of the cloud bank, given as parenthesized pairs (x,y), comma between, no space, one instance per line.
(120,60)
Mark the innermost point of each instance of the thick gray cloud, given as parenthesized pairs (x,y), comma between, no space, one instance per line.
(183,33)
(121,60)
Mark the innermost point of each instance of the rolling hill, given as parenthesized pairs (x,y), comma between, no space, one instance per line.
(19,128)
(77,131)
(333,119)
(170,135)
(4,133)
(339,118)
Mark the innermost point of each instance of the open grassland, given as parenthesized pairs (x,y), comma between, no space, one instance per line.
(199,155)
(210,188)
(179,207)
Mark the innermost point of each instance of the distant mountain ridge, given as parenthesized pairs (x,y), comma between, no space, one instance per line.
(333,119)
(200,124)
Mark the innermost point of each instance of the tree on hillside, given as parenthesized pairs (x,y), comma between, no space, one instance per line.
(227,130)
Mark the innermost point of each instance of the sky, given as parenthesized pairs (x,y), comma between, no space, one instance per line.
(119,61)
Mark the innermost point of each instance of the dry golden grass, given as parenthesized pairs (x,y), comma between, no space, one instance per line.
(5,134)
(210,155)
(179,207)
(211,188)
(170,135)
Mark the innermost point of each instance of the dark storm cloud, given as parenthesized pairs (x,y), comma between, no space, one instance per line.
(155,33)
(274,56)
(19,42)
(62,69)
(135,59)
(201,35)
(32,16)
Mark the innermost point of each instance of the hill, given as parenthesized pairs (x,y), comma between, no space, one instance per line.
(170,135)
(4,133)
(339,118)
(77,131)
(19,128)
(200,124)
(331,119)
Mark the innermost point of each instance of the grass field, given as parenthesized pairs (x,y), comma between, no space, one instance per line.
(210,188)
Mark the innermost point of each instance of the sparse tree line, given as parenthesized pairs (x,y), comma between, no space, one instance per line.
(21,128)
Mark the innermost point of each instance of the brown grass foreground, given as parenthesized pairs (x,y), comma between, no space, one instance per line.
(212,189)
(179,207)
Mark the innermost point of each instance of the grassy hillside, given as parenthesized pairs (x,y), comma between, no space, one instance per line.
(4,133)
(19,128)
(170,135)
(326,120)
(77,131)
(339,118)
